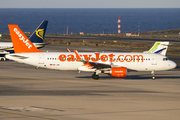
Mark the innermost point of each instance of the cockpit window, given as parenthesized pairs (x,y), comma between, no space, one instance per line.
(165,59)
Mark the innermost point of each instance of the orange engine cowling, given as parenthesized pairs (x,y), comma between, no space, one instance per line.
(118,71)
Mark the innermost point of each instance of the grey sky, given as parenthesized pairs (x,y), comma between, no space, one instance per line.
(89,3)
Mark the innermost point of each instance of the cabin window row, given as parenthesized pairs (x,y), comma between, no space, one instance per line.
(5,47)
(96,59)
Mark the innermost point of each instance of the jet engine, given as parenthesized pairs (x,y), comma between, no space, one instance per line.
(118,71)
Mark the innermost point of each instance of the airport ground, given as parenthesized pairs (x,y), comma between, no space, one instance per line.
(27,93)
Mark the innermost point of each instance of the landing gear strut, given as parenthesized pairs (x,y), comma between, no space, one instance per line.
(153,75)
(37,67)
(94,76)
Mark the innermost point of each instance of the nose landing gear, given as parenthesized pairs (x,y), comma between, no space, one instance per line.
(153,75)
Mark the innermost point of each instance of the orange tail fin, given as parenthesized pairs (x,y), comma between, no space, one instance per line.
(20,42)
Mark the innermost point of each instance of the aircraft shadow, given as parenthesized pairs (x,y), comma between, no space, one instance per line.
(133,77)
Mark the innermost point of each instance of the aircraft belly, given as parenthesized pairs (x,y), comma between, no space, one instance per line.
(70,65)
(145,66)
(63,65)
(134,66)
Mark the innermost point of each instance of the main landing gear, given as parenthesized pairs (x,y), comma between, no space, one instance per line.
(94,76)
(153,75)
(37,67)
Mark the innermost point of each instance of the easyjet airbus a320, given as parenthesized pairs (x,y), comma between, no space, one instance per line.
(115,64)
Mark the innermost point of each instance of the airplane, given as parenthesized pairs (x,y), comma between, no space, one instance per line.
(36,38)
(115,64)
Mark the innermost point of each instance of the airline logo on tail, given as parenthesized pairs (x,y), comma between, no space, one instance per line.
(154,48)
(20,41)
(21,37)
(159,48)
(160,51)
(40,33)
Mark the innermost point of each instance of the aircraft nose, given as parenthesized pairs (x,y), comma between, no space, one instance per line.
(173,64)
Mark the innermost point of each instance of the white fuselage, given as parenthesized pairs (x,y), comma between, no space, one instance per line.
(68,60)
(9,46)
(5,45)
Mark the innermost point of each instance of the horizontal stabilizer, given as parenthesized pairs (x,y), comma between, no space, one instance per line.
(19,56)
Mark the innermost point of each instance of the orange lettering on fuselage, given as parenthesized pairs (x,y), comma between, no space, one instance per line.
(103,58)
(62,57)
(111,57)
(86,57)
(137,57)
(70,58)
(95,59)
(128,60)
(121,59)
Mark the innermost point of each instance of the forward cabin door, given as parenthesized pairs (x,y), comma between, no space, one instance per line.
(154,59)
(41,58)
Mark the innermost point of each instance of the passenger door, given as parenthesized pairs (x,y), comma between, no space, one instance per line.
(154,59)
(41,58)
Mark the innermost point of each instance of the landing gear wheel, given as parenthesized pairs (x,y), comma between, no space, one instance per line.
(153,75)
(96,77)
(2,59)
(36,67)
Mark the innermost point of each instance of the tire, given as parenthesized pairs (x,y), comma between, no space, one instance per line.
(2,59)
(96,77)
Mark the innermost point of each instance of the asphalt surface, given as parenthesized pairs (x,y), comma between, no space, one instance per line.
(30,94)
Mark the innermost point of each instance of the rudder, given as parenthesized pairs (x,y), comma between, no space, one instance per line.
(39,33)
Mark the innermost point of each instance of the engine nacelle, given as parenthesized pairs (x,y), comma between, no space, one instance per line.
(118,71)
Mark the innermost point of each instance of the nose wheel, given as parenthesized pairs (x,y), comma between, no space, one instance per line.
(94,76)
(153,75)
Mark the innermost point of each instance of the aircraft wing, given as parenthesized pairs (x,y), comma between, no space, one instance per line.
(68,50)
(97,65)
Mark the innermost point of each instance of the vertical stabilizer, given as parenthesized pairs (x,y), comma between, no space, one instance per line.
(39,33)
(159,48)
(20,42)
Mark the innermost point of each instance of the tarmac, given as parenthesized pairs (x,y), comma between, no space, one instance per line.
(30,94)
